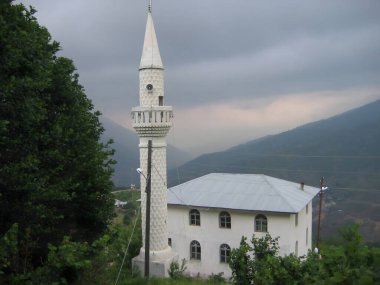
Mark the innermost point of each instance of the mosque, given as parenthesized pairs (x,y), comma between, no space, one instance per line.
(203,219)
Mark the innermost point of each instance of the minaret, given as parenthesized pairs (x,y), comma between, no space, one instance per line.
(152,121)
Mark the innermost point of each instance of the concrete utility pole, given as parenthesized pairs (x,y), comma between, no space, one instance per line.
(320,210)
(147,218)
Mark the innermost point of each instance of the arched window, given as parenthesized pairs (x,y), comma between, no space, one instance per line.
(195,250)
(261,223)
(194,217)
(224,253)
(225,220)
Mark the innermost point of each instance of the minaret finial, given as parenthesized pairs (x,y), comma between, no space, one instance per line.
(150,6)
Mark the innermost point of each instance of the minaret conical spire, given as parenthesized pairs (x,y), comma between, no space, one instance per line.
(150,57)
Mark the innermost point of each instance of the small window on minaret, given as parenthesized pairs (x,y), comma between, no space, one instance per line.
(160,100)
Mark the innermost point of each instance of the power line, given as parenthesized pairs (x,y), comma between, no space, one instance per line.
(282,169)
(129,242)
(159,174)
(307,156)
(355,189)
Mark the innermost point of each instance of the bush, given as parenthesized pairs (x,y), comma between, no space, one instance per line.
(216,278)
(176,271)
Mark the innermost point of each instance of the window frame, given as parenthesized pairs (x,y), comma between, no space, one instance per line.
(194,217)
(225,220)
(195,250)
(261,223)
(224,253)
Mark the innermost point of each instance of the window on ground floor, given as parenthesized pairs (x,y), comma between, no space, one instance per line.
(195,250)
(224,253)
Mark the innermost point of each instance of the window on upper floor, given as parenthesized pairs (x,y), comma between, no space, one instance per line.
(194,217)
(261,223)
(195,250)
(225,220)
(224,253)
(296,219)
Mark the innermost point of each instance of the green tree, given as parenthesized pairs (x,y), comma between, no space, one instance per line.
(240,262)
(54,172)
(260,263)
(350,262)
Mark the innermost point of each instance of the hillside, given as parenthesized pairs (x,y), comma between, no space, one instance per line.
(127,153)
(345,149)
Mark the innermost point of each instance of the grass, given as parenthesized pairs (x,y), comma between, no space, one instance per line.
(167,281)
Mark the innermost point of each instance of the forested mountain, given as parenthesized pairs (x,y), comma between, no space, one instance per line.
(345,149)
(127,153)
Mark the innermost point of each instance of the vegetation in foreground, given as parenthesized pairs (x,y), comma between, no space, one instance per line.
(347,262)
(55,174)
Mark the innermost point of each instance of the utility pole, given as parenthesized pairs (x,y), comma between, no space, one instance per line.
(320,210)
(147,209)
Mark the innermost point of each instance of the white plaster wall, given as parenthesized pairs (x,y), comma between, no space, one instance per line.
(210,236)
(154,76)
(304,223)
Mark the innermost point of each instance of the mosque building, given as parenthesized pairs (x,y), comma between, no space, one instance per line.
(203,219)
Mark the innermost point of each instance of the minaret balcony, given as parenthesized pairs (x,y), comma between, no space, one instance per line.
(154,121)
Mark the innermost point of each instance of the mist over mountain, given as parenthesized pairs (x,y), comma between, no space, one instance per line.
(127,153)
(344,149)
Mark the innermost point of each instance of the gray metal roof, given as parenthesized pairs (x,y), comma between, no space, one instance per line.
(252,192)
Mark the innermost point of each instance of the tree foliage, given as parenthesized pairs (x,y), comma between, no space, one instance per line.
(54,172)
(349,262)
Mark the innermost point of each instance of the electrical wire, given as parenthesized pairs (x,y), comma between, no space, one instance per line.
(242,153)
(159,174)
(129,242)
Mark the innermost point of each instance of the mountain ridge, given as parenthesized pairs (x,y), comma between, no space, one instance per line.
(127,153)
(344,149)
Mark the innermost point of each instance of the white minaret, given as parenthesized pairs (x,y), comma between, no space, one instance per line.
(152,121)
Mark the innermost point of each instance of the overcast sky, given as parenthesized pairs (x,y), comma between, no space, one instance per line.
(235,70)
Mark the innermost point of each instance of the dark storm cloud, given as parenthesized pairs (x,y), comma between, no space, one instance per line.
(215,49)
(219,53)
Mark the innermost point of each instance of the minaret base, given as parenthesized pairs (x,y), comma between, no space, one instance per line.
(159,262)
